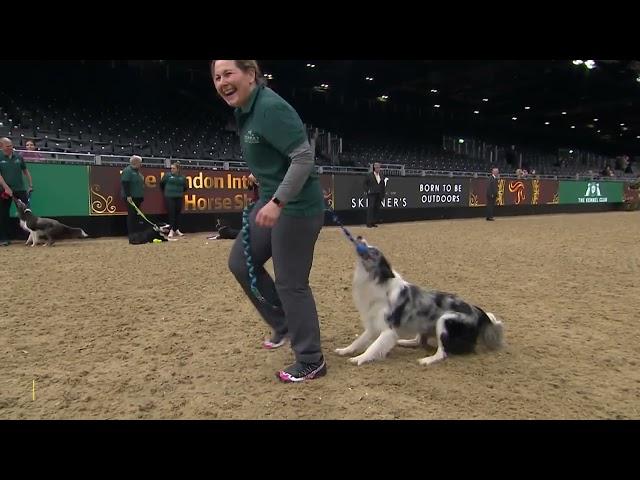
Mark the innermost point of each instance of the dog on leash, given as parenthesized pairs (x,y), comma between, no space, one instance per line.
(45,227)
(148,235)
(391,308)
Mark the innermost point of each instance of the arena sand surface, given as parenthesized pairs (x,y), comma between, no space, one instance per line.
(112,331)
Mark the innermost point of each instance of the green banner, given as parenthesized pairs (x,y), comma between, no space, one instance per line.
(59,190)
(594,191)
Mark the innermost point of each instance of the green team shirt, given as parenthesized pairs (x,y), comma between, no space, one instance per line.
(11,170)
(174,185)
(136,182)
(270,129)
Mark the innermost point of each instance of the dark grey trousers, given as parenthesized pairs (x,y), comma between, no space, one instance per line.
(290,243)
(491,203)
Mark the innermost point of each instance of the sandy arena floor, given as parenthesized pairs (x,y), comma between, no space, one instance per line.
(112,331)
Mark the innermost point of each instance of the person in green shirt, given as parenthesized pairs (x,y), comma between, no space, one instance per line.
(174,184)
(13,171)
(286,220)
(132,182)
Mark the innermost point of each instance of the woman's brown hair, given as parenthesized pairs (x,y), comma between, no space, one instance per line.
(245,66)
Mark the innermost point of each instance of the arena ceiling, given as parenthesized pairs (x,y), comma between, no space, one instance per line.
(594,102)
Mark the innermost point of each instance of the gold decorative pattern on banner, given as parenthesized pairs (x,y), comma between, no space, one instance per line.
(556,199)
(473,200)
(535,195)
(500,199)
(101,205)
(517,187)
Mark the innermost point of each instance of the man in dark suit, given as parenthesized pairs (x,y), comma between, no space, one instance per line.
(492,193)
(374,187)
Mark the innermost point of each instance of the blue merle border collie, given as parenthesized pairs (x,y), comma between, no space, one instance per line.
(391,308)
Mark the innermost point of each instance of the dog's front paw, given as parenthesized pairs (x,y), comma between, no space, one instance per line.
(343,351)
(359,360)
(432,359)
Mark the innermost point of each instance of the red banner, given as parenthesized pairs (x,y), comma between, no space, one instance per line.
(208,191)
(515,192)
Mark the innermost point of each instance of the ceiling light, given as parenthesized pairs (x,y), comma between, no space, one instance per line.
(527,108)
(595,119)
(570,151)
(590,64)
(433,90)
(311,65)
(514,118)
(461,140)
(476,111)
(622,124)
(573,126)
(436,106)
(578,62)
(485,99)
(564,113)
(546,123)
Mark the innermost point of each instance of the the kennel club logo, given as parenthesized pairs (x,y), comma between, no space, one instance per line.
(251,137)
(593,194)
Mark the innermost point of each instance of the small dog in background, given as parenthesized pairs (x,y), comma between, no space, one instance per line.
(39,227)
(225,232)
(391,308)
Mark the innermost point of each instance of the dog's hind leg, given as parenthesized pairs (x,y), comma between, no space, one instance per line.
(440,331)
(49,239)
(378,349)
(359,344)
(414,342)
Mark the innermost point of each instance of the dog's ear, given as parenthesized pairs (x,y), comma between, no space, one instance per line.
(384,269)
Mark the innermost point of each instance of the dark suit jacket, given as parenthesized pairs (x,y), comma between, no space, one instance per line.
(492,188)
(371,186)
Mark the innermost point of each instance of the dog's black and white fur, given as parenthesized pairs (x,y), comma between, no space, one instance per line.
(39,227)
(391,308)
(225,232)
(148,235)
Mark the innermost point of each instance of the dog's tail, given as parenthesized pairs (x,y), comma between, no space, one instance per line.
(491,331)
(76,232)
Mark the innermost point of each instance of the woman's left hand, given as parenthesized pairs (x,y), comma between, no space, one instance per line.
(268,215)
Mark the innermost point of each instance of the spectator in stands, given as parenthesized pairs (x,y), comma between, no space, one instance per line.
(31,155)
(133,191)
(519,173)
(286,221)
(629,168)
(607,172)
(374,187)
(174,186)
(12,171)
(492,193)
